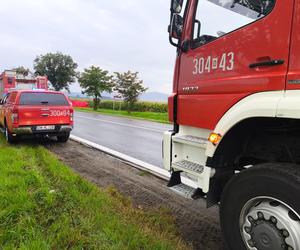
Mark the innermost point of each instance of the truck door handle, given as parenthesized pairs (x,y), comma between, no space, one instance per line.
(266,63)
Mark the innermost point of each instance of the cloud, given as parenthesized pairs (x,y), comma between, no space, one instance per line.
(115,35)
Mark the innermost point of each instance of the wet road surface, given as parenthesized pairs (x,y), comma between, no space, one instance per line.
(136,138)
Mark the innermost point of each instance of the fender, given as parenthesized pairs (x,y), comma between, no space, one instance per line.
(263,104)
(289,105)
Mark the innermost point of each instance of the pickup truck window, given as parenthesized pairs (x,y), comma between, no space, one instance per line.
(216,18)
(39,98)
(5,98)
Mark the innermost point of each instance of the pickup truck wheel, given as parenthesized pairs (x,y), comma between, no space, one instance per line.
(8,136)
(260,209)
(63,138)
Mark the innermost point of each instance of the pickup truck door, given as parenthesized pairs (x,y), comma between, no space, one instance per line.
(237,51)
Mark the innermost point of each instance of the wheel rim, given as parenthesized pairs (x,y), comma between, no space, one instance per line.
(268,223)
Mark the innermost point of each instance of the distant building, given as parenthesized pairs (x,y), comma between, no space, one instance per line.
(9,79)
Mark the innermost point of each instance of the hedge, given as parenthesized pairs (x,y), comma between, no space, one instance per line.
(139,106)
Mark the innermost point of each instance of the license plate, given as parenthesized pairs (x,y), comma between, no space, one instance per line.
(51,127)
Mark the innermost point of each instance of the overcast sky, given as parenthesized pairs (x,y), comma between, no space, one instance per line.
(115,35)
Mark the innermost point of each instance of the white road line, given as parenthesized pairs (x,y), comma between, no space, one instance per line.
(121,124)
(157,171)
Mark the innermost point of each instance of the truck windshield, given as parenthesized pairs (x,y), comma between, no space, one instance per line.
(38,98)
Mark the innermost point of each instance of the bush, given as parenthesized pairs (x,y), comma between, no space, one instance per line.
(157,107)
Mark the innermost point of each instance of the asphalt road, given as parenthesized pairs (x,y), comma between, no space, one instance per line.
(136,138)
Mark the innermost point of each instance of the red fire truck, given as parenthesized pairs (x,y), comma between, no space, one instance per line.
(236,113)
(9,79)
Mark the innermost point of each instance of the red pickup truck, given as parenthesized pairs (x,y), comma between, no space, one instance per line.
(36,113)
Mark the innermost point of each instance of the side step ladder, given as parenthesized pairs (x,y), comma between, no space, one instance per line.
(188,148)
(182,189)
(189,167)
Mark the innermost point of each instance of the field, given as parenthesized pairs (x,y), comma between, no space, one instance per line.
(45,205)
(151,111)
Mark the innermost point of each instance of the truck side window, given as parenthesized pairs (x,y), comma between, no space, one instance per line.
(10,80)
(12,97)
(216,18)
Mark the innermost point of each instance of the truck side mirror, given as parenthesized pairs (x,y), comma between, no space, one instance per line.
(176,6)
(175,29)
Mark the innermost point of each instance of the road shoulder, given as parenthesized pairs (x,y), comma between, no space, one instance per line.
(198,226)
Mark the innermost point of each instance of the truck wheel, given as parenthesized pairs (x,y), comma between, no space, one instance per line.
(8,136)
(63,138)
(260,209)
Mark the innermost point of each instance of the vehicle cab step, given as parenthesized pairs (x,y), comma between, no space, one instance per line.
(189,167)
(191,140)
(186,191)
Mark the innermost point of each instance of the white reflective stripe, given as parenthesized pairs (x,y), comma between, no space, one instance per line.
(289,105)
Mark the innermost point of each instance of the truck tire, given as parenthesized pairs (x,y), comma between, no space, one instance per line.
(8,136)
(63,138)
(260,208)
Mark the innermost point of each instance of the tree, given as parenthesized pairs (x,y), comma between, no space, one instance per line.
(94,82)
(22,70)
(130,87)
(59,68)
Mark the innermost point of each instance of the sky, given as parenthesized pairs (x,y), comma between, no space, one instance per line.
(115,35)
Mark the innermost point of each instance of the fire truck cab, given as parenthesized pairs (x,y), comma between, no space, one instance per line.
(10,79)
(236,112)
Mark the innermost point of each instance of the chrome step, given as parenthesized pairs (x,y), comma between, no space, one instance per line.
(191,140)
(185,191)
(188,166)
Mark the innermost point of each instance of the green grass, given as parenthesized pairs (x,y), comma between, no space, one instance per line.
(150,116)
(45,205)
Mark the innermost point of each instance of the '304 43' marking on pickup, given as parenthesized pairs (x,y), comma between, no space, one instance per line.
(59,112)
(209,64)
